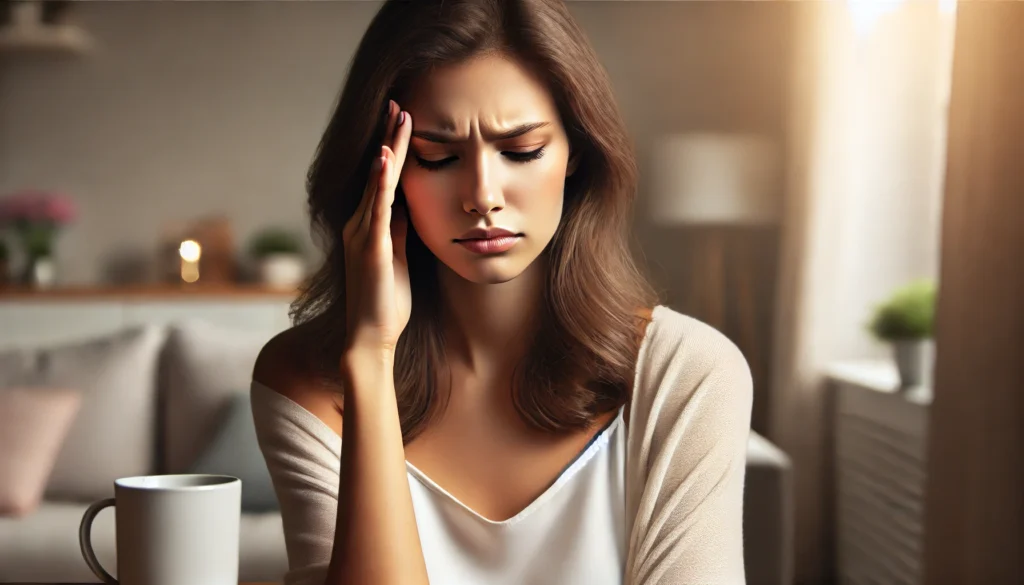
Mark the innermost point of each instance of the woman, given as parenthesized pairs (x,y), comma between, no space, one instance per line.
(480,387)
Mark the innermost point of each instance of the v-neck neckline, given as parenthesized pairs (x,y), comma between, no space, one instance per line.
(594,445)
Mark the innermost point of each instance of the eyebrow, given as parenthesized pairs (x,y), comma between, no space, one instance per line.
(448,137)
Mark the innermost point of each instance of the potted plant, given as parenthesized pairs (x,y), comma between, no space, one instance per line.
(35,218)
(279,257)
(907,320)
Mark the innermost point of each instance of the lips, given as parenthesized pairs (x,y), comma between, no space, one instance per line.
(486,234)
(490,245)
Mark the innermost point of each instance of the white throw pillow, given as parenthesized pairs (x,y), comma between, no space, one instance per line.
(204,367)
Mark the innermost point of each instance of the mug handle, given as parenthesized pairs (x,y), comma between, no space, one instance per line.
(85,540)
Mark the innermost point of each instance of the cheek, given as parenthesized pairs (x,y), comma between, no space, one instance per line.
(424,196)
(540,189)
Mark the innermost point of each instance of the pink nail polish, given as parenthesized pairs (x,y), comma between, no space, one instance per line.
(401,118)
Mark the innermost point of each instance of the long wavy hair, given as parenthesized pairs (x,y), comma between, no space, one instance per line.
(597,301)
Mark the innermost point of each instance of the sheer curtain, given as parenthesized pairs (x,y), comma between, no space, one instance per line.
(866,162)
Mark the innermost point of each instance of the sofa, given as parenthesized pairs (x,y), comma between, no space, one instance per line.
(153,399)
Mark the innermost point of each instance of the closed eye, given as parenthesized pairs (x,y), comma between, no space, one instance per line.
(519,157)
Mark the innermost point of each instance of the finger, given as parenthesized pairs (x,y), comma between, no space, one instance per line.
(379,228)
(389,129)
(369,196)
(400,145)
(399,230)
(390,178)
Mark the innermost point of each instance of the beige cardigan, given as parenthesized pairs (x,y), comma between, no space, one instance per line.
(685,459)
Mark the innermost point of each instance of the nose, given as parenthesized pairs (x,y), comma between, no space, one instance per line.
(483,193)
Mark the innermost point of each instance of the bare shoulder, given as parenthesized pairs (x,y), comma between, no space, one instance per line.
(287,366)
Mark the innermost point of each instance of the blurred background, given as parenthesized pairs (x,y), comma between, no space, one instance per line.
(808,170)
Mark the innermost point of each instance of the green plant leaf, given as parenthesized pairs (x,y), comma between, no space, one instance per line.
(274,241)
(36,238)
(908,314)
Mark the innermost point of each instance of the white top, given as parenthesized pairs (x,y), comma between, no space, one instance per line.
(658,501)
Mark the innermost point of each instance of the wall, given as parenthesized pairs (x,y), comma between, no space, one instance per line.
(185,109)
(193,108)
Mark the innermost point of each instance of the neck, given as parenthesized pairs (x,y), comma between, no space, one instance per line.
(488,327)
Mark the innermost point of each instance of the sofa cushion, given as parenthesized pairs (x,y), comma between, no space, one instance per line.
(33,424)
(43,546)
(113,434)
(235,451)
(767,514)
(204,367)
(14,365)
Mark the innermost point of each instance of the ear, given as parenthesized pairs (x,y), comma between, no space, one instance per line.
(574,163)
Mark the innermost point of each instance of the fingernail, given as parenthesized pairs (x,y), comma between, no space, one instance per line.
(391,105)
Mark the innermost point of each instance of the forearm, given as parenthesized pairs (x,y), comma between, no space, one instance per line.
(376,541)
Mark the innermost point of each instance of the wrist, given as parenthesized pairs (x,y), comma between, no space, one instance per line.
(359,362)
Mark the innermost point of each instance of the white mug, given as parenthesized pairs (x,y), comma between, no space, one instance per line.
(171,530)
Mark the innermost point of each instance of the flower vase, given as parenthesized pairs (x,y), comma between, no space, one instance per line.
(40,272)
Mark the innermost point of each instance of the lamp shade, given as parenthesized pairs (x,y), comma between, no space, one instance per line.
(711,178)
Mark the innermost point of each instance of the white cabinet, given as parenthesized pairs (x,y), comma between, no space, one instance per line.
(880,470)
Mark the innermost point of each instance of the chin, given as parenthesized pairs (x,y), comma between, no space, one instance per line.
(484,269)
(493,270)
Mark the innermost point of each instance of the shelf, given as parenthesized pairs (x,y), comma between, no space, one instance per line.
(239,291)
(58,38)
(878,375)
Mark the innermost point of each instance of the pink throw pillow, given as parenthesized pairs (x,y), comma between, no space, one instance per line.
(33,424)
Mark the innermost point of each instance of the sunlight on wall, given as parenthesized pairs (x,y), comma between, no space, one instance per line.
(865,13)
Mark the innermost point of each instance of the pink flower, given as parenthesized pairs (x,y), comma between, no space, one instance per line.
(37,206)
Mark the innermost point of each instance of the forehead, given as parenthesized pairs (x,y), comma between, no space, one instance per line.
(493,89)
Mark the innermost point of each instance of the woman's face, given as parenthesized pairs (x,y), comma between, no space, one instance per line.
(488,150)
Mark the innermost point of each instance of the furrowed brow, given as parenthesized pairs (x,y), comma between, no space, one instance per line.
(449,137)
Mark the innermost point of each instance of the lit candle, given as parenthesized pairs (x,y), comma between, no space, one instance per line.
(190,251)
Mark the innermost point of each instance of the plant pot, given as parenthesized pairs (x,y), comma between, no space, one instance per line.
(915,361)
(282,270)
(40,272)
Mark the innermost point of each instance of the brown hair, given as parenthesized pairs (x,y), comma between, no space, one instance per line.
(596,301)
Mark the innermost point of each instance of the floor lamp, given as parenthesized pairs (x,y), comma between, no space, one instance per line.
(724,191)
